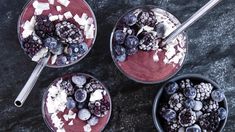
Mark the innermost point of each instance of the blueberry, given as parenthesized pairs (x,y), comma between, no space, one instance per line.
(222,113)
(171,88)
(73,58)
(119,36)
(190,92)
(189,103)
(119,50)
(93,121)
(70,104)
(81,105)
(80,95)
(73,49)
(79,80)
(58,50)
(132,41)
(121,58)
(83,48)
(50,42)
(132,51)
(169,115)
(217,95)
(194,128)
(84,114)
(61,60)
(130,19)
(160,29)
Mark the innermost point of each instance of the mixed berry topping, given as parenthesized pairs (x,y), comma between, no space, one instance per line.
(63,36)
(143,30)
(182,109)
(84,98)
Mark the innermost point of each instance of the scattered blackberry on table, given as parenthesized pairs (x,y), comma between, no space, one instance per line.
(217,95)
(210,105)
(32,45)
(99,108)
(209,121)
(43,27)
(176,101)
(187,117)
(147,18)
(68,87)
(93,85)
(148,42)
(171,88)
(69,33)
(203,91)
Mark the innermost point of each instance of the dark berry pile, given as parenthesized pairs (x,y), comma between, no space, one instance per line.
(137,31)
(64,40)
(87,96)
(191,106)
(32,45)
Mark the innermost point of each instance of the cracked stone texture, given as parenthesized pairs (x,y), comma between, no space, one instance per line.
(211,53)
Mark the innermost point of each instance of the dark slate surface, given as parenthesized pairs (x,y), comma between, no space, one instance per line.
(211,53)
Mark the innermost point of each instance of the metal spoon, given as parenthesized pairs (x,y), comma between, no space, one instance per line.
(196,16)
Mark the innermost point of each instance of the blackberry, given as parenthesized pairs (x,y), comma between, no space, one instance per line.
(172,126)
(69,33)
(147,18)
(44,28)
(176,101)
(148,42)
(93,85)
(210,105)
(203,91)
(99,108)
(186,84)
(187,117)
(209,121)
(67,85)
(32,44)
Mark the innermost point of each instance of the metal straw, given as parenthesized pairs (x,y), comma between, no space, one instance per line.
(196,16)
(31,81)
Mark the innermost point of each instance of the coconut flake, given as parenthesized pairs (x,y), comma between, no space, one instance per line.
(28,27)
(53,59)
(70,123)
(51,2)
(97,95)
(60,17)
(64,2)
(68,15)
(40,7)
(58,8)
(40,54)
(53,18)
(87,128)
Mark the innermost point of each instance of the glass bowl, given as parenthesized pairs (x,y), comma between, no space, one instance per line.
(140,67)
(77,123)
(158,120)
(75,7)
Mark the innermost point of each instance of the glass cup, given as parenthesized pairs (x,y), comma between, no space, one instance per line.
(77,123)
(135,38)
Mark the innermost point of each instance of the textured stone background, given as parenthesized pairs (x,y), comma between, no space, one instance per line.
(211,53)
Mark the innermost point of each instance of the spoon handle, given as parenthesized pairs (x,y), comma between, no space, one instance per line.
(31,82)
(196,16)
